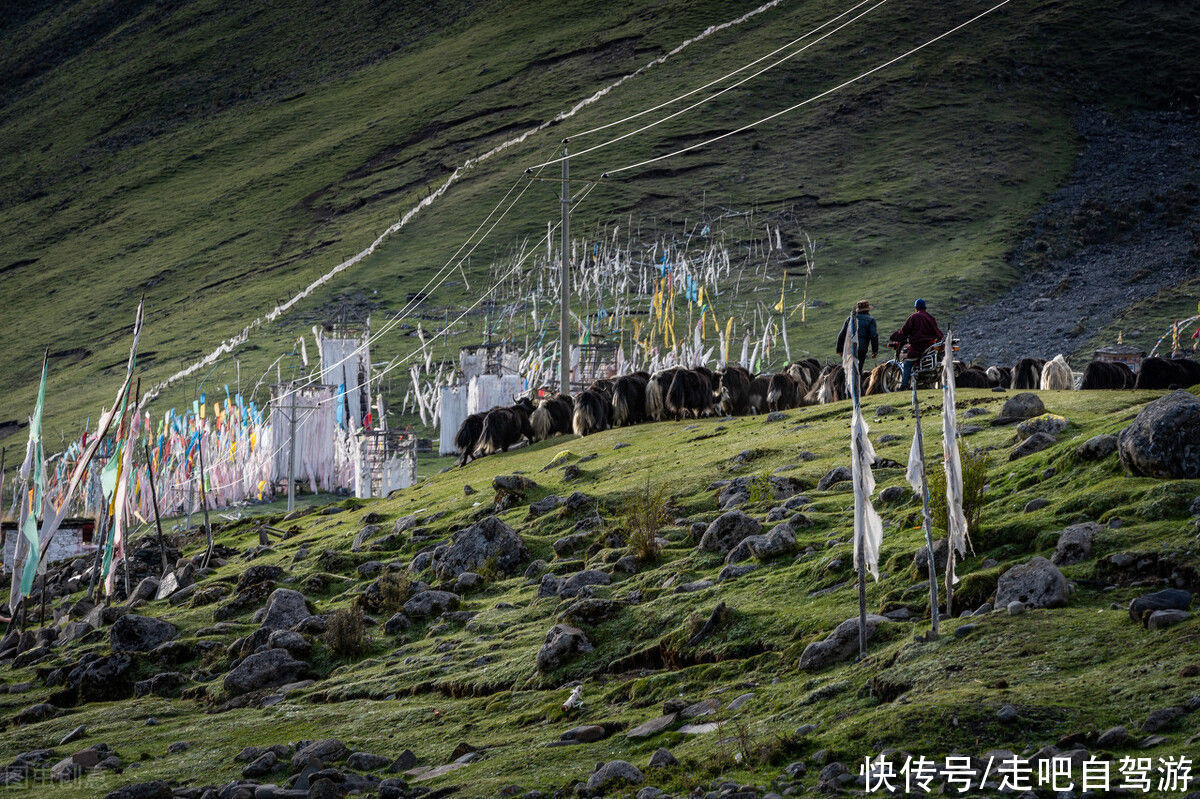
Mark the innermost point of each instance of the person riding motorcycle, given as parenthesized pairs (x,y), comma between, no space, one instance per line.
(919,332)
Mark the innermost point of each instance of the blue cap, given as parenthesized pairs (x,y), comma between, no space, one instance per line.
(919,305)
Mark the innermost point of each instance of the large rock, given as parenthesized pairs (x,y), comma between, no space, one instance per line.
(471,549)
(1047,423)
(259,573)
(614,774)
(285,609)
(133,633)
(1035,443)
(1020,406)
(1036,584)
(142,790)
(1097,448)
(838,474)
(728,530)
(839,644)
(1164,440)
(780,541)
(1167,599)
(1075,543)
(562,642)
(328,750)
(98,679)
(921,558)
(430,603)
(267,669)
(579,582)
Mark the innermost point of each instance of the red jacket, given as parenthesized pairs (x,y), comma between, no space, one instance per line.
(919,331)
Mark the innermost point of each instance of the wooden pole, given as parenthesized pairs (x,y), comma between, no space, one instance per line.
(101,540)
(162,542)
(927,521)
(859,520)
(204,504)
(291,506)
(564,329)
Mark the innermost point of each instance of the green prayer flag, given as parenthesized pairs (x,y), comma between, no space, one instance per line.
(30,529)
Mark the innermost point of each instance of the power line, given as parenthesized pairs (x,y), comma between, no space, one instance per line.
(814,98)
(715,95)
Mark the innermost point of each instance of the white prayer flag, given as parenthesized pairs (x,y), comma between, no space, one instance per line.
(868,527)
(956,522)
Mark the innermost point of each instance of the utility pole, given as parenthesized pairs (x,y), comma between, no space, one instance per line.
(292,451)
(564,329)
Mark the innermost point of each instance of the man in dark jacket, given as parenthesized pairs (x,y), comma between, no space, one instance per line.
(868,333)
(919,331)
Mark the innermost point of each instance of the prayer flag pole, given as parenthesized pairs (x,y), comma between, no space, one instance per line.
(916,463)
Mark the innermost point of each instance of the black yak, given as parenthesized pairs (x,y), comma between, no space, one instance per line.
(552,417)
(656,394)
(1027,373)
(690,392)
(759,386)
(971,377)
(502,428)
(1106,375)
(831,386)
(628,400)
(1158,372)
(467,436)
(805,372)
(781,392)
(592,412)
(733,390)
(999,376)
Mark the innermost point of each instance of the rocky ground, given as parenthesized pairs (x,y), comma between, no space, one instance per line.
(1125,227)
(667,610)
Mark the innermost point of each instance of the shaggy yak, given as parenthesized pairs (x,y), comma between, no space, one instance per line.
(830,387)
(1167,373)
(1027,373)
(1056,375)
(759,386)
(805,372)
(467,436)
(629,399)
(502,428)
(690,393)
(999,376)
(971,377)
(782,392)
(656,394)
(593,412)
(733,390)
(552,417)
(1106,375)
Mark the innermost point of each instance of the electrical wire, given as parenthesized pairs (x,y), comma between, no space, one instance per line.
(713,96)
(814,98)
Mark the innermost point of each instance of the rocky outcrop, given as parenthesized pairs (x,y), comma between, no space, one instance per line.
(1164,439)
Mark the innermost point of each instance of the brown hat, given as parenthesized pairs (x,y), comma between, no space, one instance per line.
(863,305)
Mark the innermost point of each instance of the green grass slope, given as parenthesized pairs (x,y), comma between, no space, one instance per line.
(1069,672)
(218,158)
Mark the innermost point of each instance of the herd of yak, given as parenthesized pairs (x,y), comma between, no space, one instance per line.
(679,393)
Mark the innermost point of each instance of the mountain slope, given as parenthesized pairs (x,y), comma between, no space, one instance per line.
(219,159)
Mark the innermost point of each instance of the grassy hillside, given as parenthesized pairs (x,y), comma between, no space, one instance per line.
(218,159)
(1070,673)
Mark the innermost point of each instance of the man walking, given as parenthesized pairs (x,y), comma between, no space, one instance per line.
(868,333)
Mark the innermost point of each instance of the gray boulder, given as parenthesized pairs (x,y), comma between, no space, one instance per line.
(1161,619)
(1167,599)
(1164,439)
(1035,443)
(430,603)
(1097,448)
(1075,544)
(614,774)
(838,474)
(487,540)
(1046,423)
(578,582)
(1020,406)
(328,750)
(267,669)
(1036,584)
(727,531)
(133,633)
(562,642)
(839,645)
(285,609)
(780,541)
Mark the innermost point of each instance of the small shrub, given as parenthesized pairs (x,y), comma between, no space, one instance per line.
(975,465)
(760,488)
(490,571)
(346,634)
(645,515)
